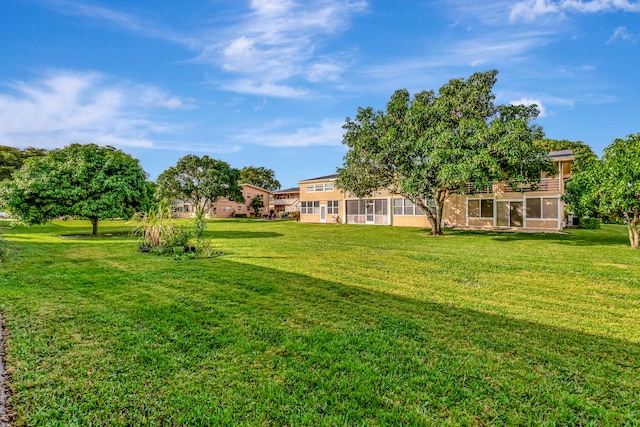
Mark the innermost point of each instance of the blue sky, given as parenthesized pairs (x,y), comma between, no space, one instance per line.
(270,82)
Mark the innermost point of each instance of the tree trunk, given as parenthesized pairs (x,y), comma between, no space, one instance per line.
(94,223)
(632,226)
(436,229)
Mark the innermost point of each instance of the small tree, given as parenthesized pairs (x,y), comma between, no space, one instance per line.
(200,181)
(83,181)
(256,204)
(260,177)
(430,147)
(612,185)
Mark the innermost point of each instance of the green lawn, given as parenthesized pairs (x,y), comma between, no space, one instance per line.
(323,325)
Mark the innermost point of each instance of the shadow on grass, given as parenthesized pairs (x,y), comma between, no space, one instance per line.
(234,234)
(298,350)
(604,237)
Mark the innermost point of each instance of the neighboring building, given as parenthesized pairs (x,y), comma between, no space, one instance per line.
(499,207)
(287,200)
(225,208)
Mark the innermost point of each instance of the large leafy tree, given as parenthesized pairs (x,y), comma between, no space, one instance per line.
(260,177)
(612,185)
(83,181)
(200,181)
(432,146)
(12,159)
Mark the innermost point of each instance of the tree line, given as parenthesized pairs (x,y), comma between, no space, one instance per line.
(92,182)
(426,148)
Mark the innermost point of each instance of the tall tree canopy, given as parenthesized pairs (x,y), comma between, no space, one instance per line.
(612,185)
(200,181)
(12,159)
(430,147)
(260,177)
(83,181)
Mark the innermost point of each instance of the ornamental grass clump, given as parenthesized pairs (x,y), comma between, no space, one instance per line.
(158,232)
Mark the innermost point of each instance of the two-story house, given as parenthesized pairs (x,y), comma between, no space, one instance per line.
(498,207)
(224,208)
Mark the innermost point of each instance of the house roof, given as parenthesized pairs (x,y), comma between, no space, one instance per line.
(561,155)
(287,190)
(321,178)
(255,186)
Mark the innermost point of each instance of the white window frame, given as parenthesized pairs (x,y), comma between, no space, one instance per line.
(333,207)
(542,217)
(404,205)
(309,207)
(480,199)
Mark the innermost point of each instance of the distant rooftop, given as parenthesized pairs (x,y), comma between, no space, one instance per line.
(288,190)
(321,178)
(561,154)
(254,186)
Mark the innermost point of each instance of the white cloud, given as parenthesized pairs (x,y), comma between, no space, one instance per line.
(531,101)
(121,19)
(326,133)
(528,10)
(149,96)
(621,33)
(278,42)
(65,107)
(256,87)
(195,147)
(275,43)
(271,7)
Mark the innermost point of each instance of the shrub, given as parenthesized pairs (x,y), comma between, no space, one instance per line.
(590,223)
(240,215)
(158,232)
(198,226)
(178,235)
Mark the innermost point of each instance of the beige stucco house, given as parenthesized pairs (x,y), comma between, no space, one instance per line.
(225,208)
(498,207)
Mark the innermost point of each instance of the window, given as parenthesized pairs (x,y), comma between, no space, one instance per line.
(239,208)
(406,207)
(333,207)
(317,188)
(310,208)
(226,209)
(480,208)
(248,196)
(542,208)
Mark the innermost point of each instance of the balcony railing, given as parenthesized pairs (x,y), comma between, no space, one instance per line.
(471,189)
(283,202)
(545,184)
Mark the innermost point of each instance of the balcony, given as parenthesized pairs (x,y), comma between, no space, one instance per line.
(545,184)
(283,202)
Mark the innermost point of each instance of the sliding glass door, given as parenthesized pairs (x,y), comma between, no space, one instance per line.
(509,214)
